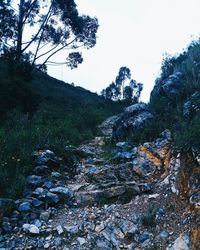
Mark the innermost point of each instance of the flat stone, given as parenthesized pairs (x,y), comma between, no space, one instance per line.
(55,174)
(164,234)
(41,170)
(62,190)
(37,203)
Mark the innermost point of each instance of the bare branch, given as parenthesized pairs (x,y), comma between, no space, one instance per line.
(47,52)
(48,15)
(56,51)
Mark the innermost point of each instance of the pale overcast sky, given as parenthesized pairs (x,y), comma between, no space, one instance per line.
(132,33)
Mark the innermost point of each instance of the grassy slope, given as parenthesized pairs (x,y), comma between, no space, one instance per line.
(66,115)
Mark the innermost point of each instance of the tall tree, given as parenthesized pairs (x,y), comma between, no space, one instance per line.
(43,28)
(124,88)
(123,75)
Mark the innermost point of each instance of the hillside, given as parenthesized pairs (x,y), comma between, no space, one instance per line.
(43,113)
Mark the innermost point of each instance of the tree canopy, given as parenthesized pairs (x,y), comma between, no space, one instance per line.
(123,88)
(36,30)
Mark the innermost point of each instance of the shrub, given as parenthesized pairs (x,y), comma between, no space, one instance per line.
(148,219)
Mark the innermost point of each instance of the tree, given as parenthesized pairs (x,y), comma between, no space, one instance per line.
(136,90)
(123,75)
(128,93)
(39,29)
(124,88)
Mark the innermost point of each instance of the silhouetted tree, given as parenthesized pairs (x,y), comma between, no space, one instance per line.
(128,93)
(57,26)
(118,91)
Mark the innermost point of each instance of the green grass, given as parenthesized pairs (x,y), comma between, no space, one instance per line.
(148,218)
(65,115)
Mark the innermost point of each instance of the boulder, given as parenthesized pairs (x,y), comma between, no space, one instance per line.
(134,118)
(52,198)
(25,207)
(106,127)
(92,195)
(169,87)
(46,158)
(62,191)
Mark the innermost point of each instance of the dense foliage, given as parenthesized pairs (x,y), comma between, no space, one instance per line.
(65,115)
(179,110)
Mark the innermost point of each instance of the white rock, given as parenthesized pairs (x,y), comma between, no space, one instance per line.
(59,229)
(26,227)
(153,196)
(47,245)
(31,228)
(181,243)
(81,240)
(34,229)
(100,227)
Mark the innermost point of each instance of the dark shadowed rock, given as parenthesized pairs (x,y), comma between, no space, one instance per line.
(34,181)
(25,207)
(41,170)
(62,191)
(52,198)
(46,158)
(169,87)
(134,118)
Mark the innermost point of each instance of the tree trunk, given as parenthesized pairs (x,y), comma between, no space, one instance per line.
(20,31)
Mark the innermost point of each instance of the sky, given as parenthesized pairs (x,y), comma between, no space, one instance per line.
(132,33)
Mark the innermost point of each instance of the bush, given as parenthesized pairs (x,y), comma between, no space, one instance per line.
(169,111)
(148,219)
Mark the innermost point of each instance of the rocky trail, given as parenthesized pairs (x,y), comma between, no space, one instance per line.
(125,198)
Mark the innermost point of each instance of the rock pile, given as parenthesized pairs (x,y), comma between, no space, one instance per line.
(128,200)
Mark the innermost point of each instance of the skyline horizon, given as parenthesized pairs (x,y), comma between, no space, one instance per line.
(137,35)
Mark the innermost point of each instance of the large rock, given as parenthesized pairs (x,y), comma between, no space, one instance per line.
(46,158)
(169,87)
(52,199)
(111,192)
(25,207)
(63,193)
(107,126)
(134,118)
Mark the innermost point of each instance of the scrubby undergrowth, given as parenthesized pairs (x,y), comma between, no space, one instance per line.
(62,115)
